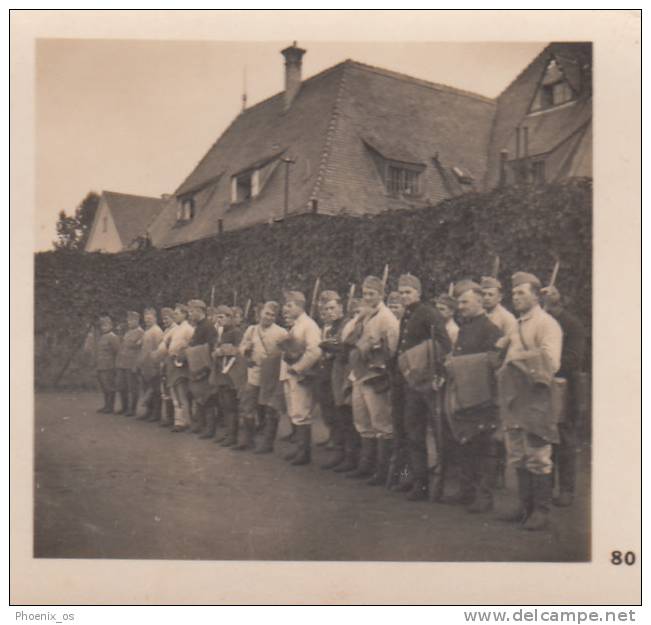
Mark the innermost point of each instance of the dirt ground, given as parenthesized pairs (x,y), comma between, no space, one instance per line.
(107,486)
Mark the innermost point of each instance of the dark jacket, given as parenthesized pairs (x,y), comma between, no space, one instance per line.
(418,323)
(573,353)
(204,332)
(477,335)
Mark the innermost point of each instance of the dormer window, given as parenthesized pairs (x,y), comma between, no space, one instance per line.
(554,89)
(402,180)
(249,183)
(185,210)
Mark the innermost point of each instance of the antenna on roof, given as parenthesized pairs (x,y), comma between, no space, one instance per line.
(244,90)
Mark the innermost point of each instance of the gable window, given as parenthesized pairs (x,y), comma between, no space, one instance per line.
(185,210)
(402,180)
(249,183)
(554,90)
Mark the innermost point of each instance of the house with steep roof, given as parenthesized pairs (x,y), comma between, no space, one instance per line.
(357,139)
(121,221)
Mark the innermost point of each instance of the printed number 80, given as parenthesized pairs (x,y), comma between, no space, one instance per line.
(628,558)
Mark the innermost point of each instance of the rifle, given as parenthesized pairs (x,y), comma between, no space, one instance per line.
(552,280)
(351,295)
(385,277)
(247,308)
(315,294)
(212,296)
(496,266)
(234,297)
(451,289)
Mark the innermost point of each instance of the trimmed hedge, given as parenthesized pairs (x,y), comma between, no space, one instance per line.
(528,226)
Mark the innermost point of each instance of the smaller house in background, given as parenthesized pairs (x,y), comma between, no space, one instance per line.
(122,221)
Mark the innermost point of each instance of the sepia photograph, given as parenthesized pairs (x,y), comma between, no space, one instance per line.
(306,300)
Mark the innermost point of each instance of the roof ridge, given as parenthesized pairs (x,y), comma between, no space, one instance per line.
(421,81)
(332,127)
(144,197)
(525,68)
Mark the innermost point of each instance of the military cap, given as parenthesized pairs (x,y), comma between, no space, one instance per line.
(488,282)
(197,303)
(132,314)
(237,309)
(407,280)
(294,296)
(166,311)
(274,306)
(149,311)
(522,277)
(446,300)
(374,283)
(465,285)
(223,310)
(329,296)
(552,295)
(394,298)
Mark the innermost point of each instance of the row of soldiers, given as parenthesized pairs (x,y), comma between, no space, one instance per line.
(460,372)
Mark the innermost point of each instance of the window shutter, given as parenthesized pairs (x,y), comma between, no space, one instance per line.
(233,189)
(255,183)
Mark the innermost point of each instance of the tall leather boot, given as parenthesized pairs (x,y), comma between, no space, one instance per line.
(291,437)
(155,405)
(211,425)
(338,454)
(247,438)
(485,483)
(199,419)
(466,492)
(104,408)
(352,443)
(233,428)
(419,490)
(269,434)
(565,467)
(366,466)
(167,420)
(111,403)
(133,405)
(542,498)
(304,453)
(124,404)
(384,453)
(520,512)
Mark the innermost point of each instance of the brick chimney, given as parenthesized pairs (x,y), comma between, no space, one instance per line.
(293,65)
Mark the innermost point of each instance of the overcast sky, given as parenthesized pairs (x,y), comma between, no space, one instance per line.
(136,116)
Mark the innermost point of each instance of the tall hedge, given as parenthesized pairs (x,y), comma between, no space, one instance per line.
(528,226)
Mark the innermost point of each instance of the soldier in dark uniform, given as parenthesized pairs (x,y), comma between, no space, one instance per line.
(473,427)
(108,346)
(332,313)
(572,357)
(199,384)
(419,323)
(225,354)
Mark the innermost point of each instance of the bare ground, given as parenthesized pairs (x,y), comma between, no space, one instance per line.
(107,486)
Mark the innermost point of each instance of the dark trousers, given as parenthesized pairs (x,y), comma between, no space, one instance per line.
(128,381)
(226,402)
(151,389)
(344,434)
(477,464)
(418,410)
(106,379)
(564,455)
(327,406)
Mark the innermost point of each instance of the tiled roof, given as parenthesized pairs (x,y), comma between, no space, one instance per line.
(132,214)
(514,102)
(335,117)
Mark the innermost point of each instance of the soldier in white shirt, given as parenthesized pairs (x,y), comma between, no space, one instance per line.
(259,343)
(177,371)
(376,339)
(499,316)
(301,352)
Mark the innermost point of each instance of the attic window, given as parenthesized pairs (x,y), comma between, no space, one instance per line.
(402,180)
(554,90)
(185,211)
(248,184)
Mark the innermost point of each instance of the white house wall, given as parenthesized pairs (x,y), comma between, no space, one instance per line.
(104,236)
